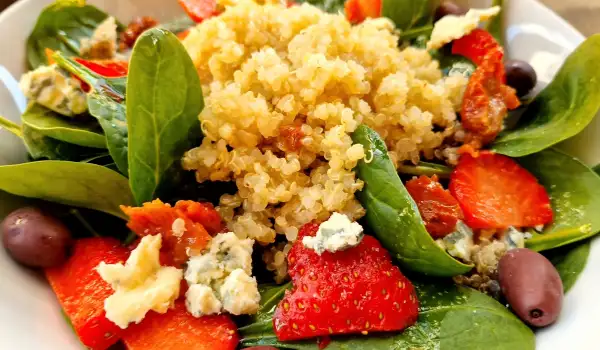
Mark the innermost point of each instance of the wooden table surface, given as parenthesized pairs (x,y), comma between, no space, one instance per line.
(583,14)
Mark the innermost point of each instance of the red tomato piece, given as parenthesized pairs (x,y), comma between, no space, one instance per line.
(292,137)
(179,330)
(495,192)
(157,217)
(109,69)
(439,209)
(487,98)
(359,10)
(81,291)
(199,10)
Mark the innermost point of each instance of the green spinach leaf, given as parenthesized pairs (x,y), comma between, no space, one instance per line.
(450,317)
(262,321)
(574,191)
(70,183)
(563,109)
(393,215)
(42,147)
(164,99)
(52,124)
(425,168)
(106,103)
(597,169)
(331,6)
(570,262)
(60,27)
(408,14)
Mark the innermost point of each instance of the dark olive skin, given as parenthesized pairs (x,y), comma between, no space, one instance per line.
(521,76)
(35,238)
(448,8)
(532,286)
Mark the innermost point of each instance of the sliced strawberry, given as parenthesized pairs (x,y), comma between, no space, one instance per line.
(179,330)
(494,192)
(357,290)
(81,291)
(438,208)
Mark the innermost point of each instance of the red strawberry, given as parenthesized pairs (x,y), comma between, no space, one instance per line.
(357,290)
(438,208)
(494,192)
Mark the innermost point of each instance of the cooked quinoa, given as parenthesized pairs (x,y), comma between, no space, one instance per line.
(271,73)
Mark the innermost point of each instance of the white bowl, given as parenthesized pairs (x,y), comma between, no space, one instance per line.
(30,317)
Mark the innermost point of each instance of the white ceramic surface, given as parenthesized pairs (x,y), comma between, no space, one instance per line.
(30,317)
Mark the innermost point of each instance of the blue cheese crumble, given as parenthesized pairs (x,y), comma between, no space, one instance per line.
(54,89)
(220,280)
(140,285)
(337,233)
(103,43)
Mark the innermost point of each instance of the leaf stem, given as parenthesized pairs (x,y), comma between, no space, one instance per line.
(9,125)
(76,69)
(416,32)
(84,222)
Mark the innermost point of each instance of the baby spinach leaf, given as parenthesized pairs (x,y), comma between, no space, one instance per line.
(106,104)
(450,317)
(60,27)
(563,109)
(393,215)
(11,127)
(408,14)
(574,191)
(52,124)
(570,262)
(262,321)
(425,168)
(42,147)
(496,25)
(70,183)
(164,99)
(597,169)
(331,6)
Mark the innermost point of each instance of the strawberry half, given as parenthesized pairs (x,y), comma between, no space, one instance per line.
(495,192)
(357,290)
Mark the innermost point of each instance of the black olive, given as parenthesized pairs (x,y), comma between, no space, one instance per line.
(35,238)
(448,8)
(521,76)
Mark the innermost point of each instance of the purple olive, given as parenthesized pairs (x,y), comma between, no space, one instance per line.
(521,76)
(448,8)
(532,286)
(35,238)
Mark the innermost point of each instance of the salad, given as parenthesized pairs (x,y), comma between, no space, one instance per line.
(367,174)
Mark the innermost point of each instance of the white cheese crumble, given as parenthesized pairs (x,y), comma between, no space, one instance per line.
(337,233)
(453,27)
(178,227)
(225,268)
(55,90)
(140,285)
(103,43)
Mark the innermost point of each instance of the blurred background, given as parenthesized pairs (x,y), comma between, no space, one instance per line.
(583,14)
